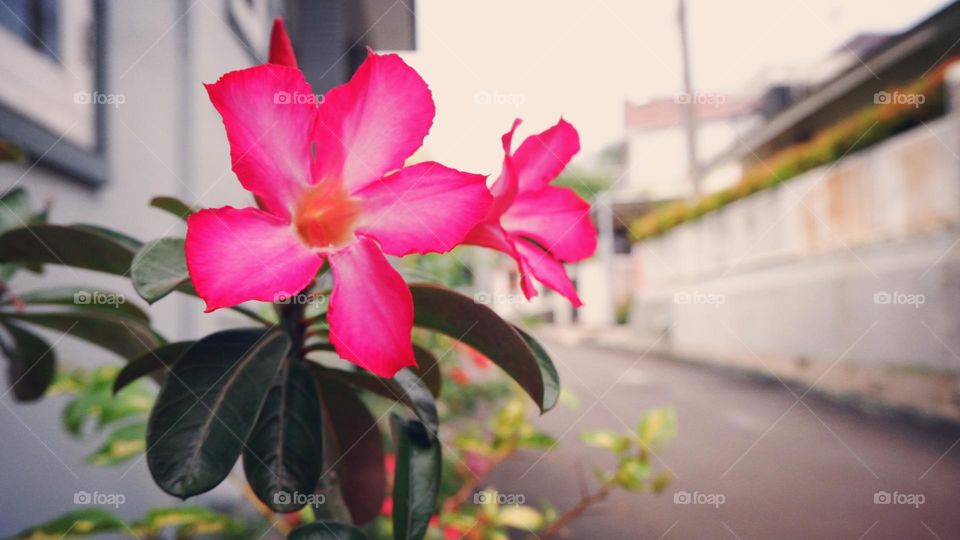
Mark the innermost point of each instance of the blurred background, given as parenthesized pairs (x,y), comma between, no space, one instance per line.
(776,186)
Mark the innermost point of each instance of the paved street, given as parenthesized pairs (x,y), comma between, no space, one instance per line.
(786,468)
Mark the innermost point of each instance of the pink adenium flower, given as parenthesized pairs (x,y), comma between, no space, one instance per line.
(539,225)
(331,187)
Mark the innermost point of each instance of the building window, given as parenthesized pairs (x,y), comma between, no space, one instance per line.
(50,80)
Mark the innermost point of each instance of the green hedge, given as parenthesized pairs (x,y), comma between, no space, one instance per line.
(864,128)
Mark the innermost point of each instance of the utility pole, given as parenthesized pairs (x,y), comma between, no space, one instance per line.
(689,102)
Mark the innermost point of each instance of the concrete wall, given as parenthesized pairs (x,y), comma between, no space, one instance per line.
(166,139)
(847,277)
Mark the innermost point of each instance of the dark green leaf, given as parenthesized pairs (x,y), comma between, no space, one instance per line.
(428,370)
(79,246)
(125,336)
(208,405)
(326,530)
(85,298)
(89,520)
(480,327)
(124,240)
(172,205)
(283,456)
(15,209)
(32,362)
(404,388)
(354,449)
(162,357)
(551,380)
(416,483)
(159,268)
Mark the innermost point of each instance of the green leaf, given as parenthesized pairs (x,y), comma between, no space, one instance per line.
(32,362)
(192,521)
(121,445)
(83,298)
(84,522)
(159,268)
(284,453)
(208,405)
(551,380)
(480,327)
(125,336)
(405,387)
(520,517)
(326,530)
(162,357)
(657,426)
(355,449)
(71,245)
(172,205)
(15,209)
(608,440)
(428,369)
(416,482)
(631,473)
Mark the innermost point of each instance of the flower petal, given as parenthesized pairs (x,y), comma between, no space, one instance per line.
(541,157)
(555,217)
(492,236)
(371,310)
(423,208)
(269,116)
(547,270)
(504,190)
(370,125)
(281,50)
(235,255)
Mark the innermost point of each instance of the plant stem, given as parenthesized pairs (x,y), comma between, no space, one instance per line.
(574,512)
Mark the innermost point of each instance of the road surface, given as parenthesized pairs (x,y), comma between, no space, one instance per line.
(785,468)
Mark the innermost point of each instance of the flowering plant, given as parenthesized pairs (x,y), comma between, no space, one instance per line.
(331,193)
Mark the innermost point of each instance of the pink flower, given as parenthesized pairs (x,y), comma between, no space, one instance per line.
(539,225)
(321,175)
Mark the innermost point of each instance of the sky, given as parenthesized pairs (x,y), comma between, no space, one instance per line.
(492,61)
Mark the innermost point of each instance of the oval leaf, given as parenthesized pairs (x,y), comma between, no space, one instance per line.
(89,520)
(404,388)
(354,449)
(283,457)
(159,268)
(326,530)
(85,298)
(480,327)
(162,357)
(74,245)
(551,379)
(416,481)
(125,336)
(32,363)
(207,406)
(172,205)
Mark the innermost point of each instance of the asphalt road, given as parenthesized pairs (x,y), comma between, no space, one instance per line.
(785,468)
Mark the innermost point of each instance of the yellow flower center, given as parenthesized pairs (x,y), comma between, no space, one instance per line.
(325,216)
